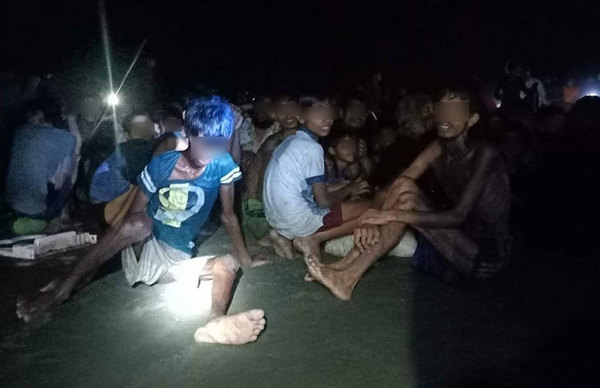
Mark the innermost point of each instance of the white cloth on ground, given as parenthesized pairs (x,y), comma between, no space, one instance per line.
(343,245)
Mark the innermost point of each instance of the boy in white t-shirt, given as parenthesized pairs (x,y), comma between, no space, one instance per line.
(298,205)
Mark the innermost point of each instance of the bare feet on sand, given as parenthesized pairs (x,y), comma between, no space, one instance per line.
(339,265)
(331,278)
(282,246)
(236,329)
(34,307)
(308,246)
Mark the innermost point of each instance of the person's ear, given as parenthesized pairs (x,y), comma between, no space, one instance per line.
(473,120)
(331,151)
(300,119)
(183,115)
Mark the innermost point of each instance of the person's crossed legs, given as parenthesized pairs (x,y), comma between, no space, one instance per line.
(342,277)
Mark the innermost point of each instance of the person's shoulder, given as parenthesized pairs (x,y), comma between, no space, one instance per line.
(223,158)
(167,142)
(277,137)
(165,156)
(61,134)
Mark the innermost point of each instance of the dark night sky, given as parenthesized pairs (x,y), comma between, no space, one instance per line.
(272,43)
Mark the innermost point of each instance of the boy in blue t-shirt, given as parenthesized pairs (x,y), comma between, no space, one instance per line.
(177,193)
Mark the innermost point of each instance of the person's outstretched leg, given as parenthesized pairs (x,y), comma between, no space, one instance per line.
(131,229)
(351,211)
(220,328)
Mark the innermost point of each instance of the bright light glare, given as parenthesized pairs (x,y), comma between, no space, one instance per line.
(593,93)
(113,99)
(187,301)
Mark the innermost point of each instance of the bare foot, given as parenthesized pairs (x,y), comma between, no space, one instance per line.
(236,329)
(308,278)
(344,263)
(339,265)
(330,278)
(308,246)
(282,246)
(34,307)
(265,242)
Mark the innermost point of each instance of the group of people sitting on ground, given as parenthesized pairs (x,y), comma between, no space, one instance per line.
(424,177)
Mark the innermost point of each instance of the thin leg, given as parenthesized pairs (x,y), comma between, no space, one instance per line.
(131,229)
(342,282)
(235,329)
(343,277)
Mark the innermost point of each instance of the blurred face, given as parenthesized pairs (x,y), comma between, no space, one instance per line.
(346,150)
(319,119)
(377,77)
(263,110)
(141,127)
(427,114)
(35,118)
(386,138)
(519,71)
(172,124)
(90,108)
(202,149)
(286,114)
(452,117)
(355,115)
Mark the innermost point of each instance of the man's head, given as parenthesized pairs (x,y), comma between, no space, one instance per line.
(514,68)
(44,111)
(286,111)
(317,113)
(171,119)
(455,112)
(414,114)
(208,122)
(262,115)
(90,107)
(354,111)
(384,138)
(343,145)
(139,126)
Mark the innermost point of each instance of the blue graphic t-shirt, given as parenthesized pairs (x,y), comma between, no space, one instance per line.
(179,208)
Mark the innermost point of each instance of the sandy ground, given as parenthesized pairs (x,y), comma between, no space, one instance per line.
(401,329)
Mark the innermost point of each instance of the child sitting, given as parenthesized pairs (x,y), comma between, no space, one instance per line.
(297,203)
(286,114)
(341,164)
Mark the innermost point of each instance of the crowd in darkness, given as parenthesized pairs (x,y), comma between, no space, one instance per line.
(468,176)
